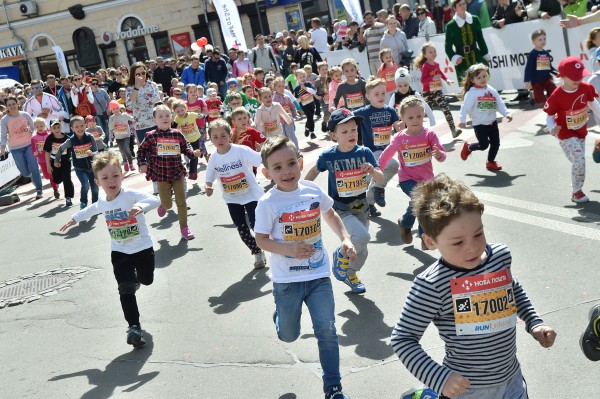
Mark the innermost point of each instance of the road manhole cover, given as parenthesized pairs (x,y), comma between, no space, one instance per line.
(37,285)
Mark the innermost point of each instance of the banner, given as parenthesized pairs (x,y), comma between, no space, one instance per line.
(276,3)
(340,11)
(293,17)
(8,170)
(335,58)
(231,25)
(181,44)
(60,57)
(353,8)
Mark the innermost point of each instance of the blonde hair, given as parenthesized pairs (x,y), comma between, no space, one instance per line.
(104,159)
(373,82)
(470,75)
(332,71)
(39,119)
(275,81)
(409,102)
(420,60)
(264,90)
(190,86)
(178,103)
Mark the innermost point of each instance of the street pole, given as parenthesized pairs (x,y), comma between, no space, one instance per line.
(210,32)
(262,31)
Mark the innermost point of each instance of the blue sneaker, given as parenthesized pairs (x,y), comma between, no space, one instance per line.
(354,282)
(379,194)
(590,339)
(419,393)
(336,393)
(340,264)
(83,205)
(135,336)
(596,153)
(68,202)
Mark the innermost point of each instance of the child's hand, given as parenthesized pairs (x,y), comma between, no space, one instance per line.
(35,154)
(89,153)
(209,191)
(462,125)
(136,210)
(68,224)
(509,118)
(143,169)
(436,153)
(302,251)
(458,61)
(348,249)
(544,335)
(555,131)
(528,85)
(456,385)
(367,168)
(197,153)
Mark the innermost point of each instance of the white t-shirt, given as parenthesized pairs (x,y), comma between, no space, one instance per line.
(290,217)
(234,172)
(126,235)
(319,39)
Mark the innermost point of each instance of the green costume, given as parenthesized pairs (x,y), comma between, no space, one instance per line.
(465,41)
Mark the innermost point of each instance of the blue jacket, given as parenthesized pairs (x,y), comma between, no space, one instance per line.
(188,76)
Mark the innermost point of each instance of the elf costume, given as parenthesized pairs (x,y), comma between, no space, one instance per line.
(464,38)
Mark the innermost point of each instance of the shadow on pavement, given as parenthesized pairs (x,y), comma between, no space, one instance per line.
(245,290)
(288,396)
(388,232)
(121,372)
(79,228)
(225,226)
(496,179)
(169,219)
(589,211)
(167,253)
(52,212)
(422,256)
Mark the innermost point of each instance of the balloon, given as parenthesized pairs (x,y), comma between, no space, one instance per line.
(202,41)
(199,43)
(195,47)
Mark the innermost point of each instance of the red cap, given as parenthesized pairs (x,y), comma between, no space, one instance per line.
(572,68)
(90,118)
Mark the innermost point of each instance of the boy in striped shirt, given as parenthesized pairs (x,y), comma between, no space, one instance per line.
(472,298)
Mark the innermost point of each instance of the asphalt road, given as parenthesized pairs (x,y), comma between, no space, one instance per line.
(207,316)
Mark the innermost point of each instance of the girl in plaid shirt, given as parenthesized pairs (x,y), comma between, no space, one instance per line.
(159,156)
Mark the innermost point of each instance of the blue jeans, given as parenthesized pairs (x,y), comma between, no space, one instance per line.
(408,220)
(87,180)
(103,123)
(28,165)
(318,296)
(141,133)
(223,90)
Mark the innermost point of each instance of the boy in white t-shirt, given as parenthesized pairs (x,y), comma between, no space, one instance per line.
(132,254)
(288,224)
(232,164)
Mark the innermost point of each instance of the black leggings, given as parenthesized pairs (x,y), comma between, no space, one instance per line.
(63,175)
(238,215)
(309,111)
(488,135)
(131,270)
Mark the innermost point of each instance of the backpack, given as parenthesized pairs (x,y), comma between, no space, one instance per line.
(85,107)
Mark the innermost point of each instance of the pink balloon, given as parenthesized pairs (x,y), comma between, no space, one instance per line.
(202,41)
(199,42)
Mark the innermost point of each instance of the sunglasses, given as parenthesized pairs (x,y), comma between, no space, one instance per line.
(177,94)
(76,79)
(36,88)
(94,84)
(421,13)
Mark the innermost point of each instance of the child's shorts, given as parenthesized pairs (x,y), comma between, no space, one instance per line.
(515,388)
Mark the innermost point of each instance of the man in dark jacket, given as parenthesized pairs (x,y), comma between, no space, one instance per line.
(163,75)
(548,9)
(411,22)
(508,12)
(215,70)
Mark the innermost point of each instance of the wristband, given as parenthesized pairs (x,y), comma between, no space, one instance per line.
(135,88)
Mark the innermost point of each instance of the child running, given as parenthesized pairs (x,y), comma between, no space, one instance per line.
(352,91)
(348,165)
(471,296)
(159,156)
(242,133)
(186,123)
(322,88)
(213,105)
(567,109)
(402,78)
(232,165)
(415,147)
(431,77)
(280,96)
(96,131)
(387,71)
(119,126)
(270,114)
(335,80)
(132,254)
(305,93)
(288,225)
(62,173)
(538,69)
(481,101)
(38,140)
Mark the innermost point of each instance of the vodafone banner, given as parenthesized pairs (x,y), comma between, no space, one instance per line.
(353,9)
(231,25)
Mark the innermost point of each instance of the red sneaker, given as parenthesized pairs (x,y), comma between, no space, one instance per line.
(126,167)
(131,167)
(465,152)
(193,176)
(161,211)
(493,165)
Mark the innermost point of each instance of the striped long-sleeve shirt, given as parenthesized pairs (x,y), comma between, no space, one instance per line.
(484,358)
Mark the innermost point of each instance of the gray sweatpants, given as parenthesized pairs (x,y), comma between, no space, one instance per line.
(357,224)
(391,170)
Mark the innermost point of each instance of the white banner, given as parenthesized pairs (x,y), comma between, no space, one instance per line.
(335,58)
(231,25)
(60,57)
(8,170)
(354,11)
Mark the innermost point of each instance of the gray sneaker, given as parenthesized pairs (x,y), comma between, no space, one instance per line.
(135,336)
(260,260)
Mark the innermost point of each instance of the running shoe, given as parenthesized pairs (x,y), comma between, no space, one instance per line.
(187,233)
(68,202)
(161,211)
(405,233)
(260,260)
(456,132)
(135,336)
(465,152)
(336,393)
(579,197)
(590,339)
(419,393)
(379,194)
(83,205)
(131,167)
(126,167)
(493,166)
(340,264)
(354,282)
(193,176)
(38,195)
(373,212)
(56,194)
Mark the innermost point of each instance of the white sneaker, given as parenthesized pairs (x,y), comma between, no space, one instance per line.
(260,260)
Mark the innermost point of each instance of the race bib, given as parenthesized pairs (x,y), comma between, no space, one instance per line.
(416,154)
(306,98)
(435,85)
(390,76)
(272,128)
(166,147)
(483,304)
(97,135)
(123,230)
(55,147)
(39,146)
(120,128)
(576,119)
(188,129)
(287,108)
(81,150)
(543,63)
(354,100)
(382,135)
(235,185)
(487,102)
(302,225)
(350,183)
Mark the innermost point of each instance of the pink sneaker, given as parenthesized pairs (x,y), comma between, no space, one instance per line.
(187,233)
(161,211)
(131,167)
(126,167)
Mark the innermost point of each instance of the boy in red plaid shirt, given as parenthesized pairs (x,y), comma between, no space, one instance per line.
(159,156)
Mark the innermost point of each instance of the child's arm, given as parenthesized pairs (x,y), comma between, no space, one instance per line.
(144,203)
(82,215)
(529,69)
(298,250)
(94,150)
(258,120)
(374,171)
(335,223)
(312,174)
(47,157)
(284,115)
(389,151)
(63,147)
(595,107)
(501,106)
(437,149)
(466,107)
(34,147)
(534,325)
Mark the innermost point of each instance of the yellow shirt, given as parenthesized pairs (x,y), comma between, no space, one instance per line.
(188,127)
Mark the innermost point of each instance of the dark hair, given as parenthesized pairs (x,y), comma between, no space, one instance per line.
(132,71)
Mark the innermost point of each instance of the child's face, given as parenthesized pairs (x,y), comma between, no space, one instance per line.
(220,138)
(180,111)
(346,134)
(241,56)
(337,76)
(233,87)
(56,129)
(249,92)
(596,39)
(279,87)
(413,117)
(248,80)
(122,93)
(241,121)
(192,91)
(78,127)
(212,97)
(540,41)
(480,79)
(174,82)
(307,71)
(266,98)
(283,169)
(349,71)
(386,58)
(163,119)
(260,77)
(462,242)
(300,76)
(110,178)
(403,87)
(235,102)
(117,111)
(323,70)
(377,96)
(570,84)
(39,126)
(91,124)
(430,53)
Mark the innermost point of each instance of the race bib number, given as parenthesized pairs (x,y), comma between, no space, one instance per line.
(302,226)
(272,128)
(354,100)
(382,135)
(576,119)
(350,183)
(123,230)
(55,147)
(39,146)
(543,63)
(188,129)
(484,304)
(287,108)
(487,102)
(416,154)
(390,76)
(97,135)
(166,147)
(435,85)
(235,185)
(81,150)
(214,113)
(120,128)
(306,98)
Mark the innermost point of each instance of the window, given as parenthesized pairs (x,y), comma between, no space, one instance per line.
(163,47)
(48,65)
(136,47)
(41,42)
